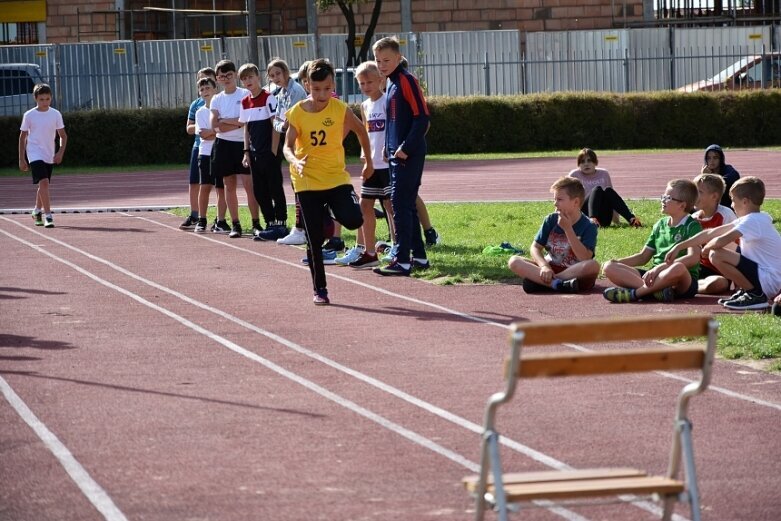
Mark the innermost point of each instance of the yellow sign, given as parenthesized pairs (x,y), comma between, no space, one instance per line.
(40,53)
(402,41)
(611,38)
(119,50)
(299,45)
(754,36)
(358,41)
(206,48)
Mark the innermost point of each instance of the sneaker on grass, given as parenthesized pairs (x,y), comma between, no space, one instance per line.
(394,269)
(366,260)
(619,295)
(432,237)
(334,243)
(296,237)
(748,301)
(420,264)
(352,255)
(392,252)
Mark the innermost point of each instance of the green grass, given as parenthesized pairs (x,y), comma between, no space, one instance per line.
(70,170)
(467,228)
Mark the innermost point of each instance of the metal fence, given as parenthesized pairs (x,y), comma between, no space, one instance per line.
(128,74)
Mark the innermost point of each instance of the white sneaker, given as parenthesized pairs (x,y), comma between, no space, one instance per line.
(352,255)
(296,237)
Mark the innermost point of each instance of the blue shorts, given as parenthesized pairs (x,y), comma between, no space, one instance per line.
(195,175)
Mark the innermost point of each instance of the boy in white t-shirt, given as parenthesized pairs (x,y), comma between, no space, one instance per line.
(228,151)
(39,128)
(206,89)
(754,268)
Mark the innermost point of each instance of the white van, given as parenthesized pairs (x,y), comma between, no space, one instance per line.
(16,87)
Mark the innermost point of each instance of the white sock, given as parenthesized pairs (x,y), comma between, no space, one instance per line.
(36,211)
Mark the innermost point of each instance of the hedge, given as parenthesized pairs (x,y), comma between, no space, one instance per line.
(539,122)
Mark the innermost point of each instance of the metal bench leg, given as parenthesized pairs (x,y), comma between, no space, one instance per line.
(685,429)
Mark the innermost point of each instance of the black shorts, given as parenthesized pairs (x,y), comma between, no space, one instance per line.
(227,157)
(205,172)
(40,171)
(377,186)
(749,269)
(706,272)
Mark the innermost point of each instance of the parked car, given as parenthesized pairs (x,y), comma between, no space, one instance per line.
(751,72)
(16,87)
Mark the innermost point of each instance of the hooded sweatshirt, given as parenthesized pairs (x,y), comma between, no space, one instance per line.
(727,172)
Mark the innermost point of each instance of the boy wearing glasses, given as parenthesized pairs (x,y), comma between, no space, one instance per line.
(228,150)
(665,282)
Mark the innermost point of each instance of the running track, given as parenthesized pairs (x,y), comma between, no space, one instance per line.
(175,376)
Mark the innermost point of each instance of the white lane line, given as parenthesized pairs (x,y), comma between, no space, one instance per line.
(466,316)
(393,391)
(344,402)
(88,486)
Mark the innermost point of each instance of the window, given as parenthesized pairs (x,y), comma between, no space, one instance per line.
(14,82)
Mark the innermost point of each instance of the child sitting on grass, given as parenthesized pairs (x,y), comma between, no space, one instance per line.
(754,268)
(664,281)
(711,214)
(563,250)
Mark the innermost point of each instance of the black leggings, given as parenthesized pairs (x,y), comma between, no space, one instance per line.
(602,202)
(343,203)
(267,186)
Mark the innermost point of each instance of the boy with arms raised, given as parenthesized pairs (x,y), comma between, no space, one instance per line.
(228,151)
(754,268)
(313,147)
(665,281)
(261,144)
(563,250)
(39,128)
(711,214)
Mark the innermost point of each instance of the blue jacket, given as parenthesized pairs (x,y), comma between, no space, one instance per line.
(727,172)
(407,114)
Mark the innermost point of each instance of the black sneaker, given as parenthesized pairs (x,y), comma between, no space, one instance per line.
(392,269)
(256,229)
(235,232)
(201,226)
(188,223)
(748,300)
(221,227)
(432,237)
(735,295)
(776,310)
(529,286)
(568,286)
(420,264)
(272,233)
(334,244)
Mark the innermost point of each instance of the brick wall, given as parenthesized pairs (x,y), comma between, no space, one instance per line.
(471,15)
(62,22)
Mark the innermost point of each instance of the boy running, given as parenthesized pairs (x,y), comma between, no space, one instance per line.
(39,128)
(314,149)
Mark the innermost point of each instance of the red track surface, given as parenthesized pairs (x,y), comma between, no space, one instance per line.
(236,399)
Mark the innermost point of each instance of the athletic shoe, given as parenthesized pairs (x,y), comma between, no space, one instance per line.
(420,264)
(665,295)
(221,227)
(272,233)
(49,222)
(432,237)
(321,298)
(352,255)
(201,226)
(394,250)
(38,218)
(296,237)
(748,300)
(329,258)
(382,246)
(619,295)
(735,295)
(366,260)
(776,310)
(392,269)
(334,243)
(634,222)
(568,286)
(188,223)
(529,286)
(256,230)
(235,232)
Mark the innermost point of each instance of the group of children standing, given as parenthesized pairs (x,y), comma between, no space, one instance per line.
(700,245)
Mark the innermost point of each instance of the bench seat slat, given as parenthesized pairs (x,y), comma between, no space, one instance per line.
(592,488)
(470,482)
(609,362)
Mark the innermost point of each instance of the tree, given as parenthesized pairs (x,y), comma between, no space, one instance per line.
(346,6)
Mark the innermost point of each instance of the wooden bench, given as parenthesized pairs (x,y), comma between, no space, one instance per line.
(493,488)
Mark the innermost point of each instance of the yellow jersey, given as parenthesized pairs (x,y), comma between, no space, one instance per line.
(319,139)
